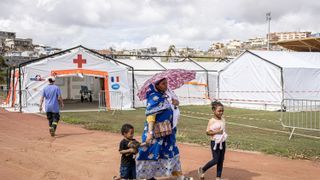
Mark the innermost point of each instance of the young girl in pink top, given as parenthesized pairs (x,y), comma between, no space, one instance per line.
(216,130)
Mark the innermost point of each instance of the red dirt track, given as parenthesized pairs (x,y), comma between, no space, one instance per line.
(28,152)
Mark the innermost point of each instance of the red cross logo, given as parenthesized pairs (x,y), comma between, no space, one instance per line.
(79,61)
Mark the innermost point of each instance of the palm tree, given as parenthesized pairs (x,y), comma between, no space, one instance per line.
(171,51)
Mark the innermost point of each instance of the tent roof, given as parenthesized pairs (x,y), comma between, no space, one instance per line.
(155,64)
(64,59)
(287,59)
(71,50)
(142,64)
(213,66)
(311,44)
(182,65)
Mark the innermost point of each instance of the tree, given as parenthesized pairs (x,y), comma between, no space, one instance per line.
(3,67)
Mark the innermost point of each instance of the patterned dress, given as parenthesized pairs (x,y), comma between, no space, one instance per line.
(161,158)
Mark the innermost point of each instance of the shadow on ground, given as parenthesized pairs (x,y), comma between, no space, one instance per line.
(228,174)
(70,134)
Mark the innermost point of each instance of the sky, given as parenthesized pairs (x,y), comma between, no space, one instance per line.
(129,24)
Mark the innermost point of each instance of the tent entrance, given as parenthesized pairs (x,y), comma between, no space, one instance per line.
(81,88)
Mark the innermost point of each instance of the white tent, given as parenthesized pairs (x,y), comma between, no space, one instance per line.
(196,91)
(142,70)
(73,68)
(212,69)
(262,79)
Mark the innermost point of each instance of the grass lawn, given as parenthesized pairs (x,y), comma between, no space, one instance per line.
(247,129)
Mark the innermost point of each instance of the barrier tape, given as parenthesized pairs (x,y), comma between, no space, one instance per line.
(303,91)
(228,116)
(222,99)
(259,128)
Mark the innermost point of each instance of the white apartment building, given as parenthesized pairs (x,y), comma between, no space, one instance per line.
(9,43)
(257,42)
(42,50)
(234,44)
(215,46)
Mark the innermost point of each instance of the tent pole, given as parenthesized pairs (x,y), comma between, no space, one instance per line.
(133,95)
(20,92)
(8,79)
(218,86)
(106,92)
(158,63)
(282,86)
(208,88)
(13,82)
(207,75)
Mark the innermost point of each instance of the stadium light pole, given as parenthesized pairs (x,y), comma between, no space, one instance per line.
(268,18)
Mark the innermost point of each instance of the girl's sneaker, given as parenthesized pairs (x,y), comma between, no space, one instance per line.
(218,178)
(184,178)
(200,173)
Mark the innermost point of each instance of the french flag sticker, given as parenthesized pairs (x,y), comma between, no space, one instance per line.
(115,79)
(115,82)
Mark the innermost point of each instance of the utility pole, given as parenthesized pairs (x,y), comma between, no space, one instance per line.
(268,18)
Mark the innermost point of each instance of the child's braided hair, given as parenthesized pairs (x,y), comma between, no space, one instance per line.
(215,104)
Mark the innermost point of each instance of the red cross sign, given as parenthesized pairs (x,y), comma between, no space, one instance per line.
(79,61)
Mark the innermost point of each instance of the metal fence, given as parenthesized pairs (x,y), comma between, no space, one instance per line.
(300,114)
(116,100)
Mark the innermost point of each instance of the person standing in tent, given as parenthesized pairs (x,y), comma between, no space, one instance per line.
(161,156)
(52,96)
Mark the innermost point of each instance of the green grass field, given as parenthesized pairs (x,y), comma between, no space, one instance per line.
(247,129)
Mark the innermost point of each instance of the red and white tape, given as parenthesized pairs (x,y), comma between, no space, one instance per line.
(304,91)
(230,116)
(224,99)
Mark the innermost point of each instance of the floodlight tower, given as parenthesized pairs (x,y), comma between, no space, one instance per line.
(268,18)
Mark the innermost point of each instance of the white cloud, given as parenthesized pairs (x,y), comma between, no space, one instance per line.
(143,23)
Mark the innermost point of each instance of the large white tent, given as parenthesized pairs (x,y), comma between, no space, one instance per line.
(262,79)
(73,68)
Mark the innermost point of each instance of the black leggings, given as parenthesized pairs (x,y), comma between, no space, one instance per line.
(217,158)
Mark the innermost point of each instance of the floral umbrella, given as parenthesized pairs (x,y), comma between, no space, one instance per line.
(175,77)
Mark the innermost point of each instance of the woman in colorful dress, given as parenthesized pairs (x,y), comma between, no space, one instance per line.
(161,156)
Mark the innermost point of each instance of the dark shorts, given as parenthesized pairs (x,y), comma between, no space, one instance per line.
(51,116)
(128,172)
